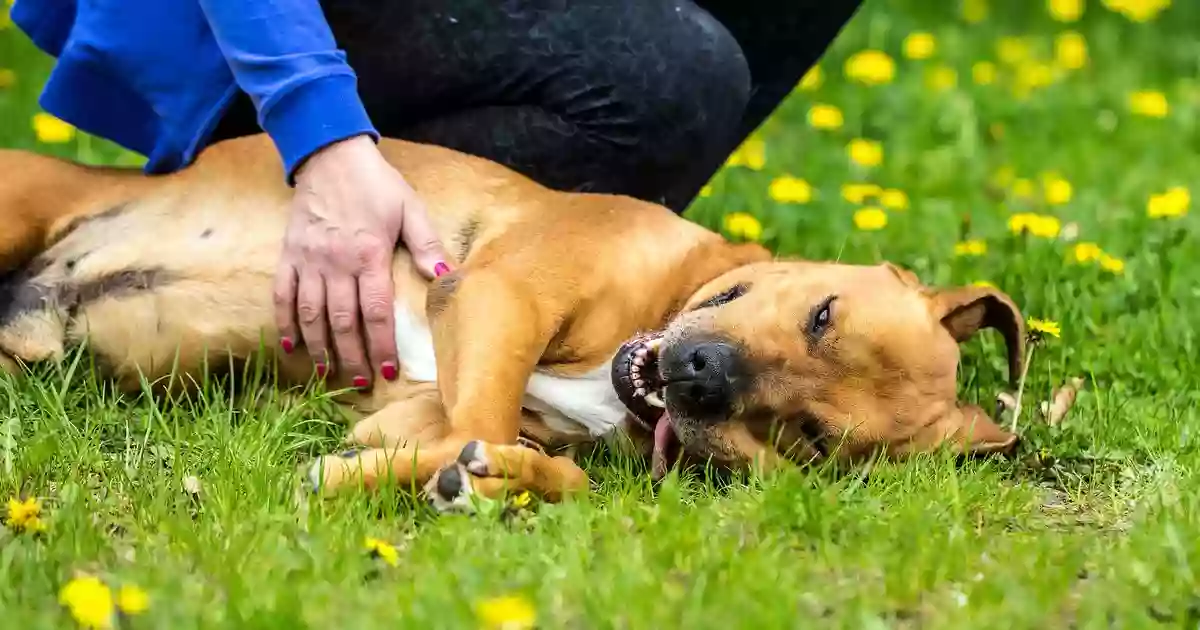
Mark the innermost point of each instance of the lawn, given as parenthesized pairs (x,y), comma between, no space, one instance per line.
(1020,144)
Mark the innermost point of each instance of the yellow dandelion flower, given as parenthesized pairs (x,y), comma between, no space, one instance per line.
(743,225)
(522,500)
(382,550)
(822,116)
(1149,103)
(1031,76)
(706,190)
(1086,252)
(1022,188)
(983,284)
(865,152)
(1070,50)
(973,11)
(1173,203)
(919,45)
(506,613)
(89,601)
(870,219)
(983,73)
(1056,190)
(8,78)
(812,79)
(1044,327)
(1065,10)
(941,78)
(870,67)
(894,199)
(1045,226)
(1112,264)
(752,154)
(132,600)
(788,189)
(22,511)
(50,130)
(1138,10)
(973,247)
(1012,50)
(859,193)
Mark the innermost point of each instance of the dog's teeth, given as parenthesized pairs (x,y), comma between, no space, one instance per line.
(637,361)
(653,344)
(640,353)
(637,382)
(639,392)
(655,400)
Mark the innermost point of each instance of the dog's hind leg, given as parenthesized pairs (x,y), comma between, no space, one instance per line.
(418,419)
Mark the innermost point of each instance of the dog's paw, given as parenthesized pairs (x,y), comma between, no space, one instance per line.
(452,491)
(469,484)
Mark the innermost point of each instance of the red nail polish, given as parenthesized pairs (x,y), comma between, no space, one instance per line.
(389,371)
(360,382)
(441,269)
(321,369)
(287,345)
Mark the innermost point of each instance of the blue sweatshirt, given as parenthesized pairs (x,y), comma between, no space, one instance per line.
(155,76)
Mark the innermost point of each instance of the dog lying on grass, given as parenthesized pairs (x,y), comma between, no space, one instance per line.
(570,317)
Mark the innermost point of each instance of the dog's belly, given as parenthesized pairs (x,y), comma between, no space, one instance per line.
(585,405)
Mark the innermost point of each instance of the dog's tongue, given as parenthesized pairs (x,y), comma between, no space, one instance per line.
(658,457)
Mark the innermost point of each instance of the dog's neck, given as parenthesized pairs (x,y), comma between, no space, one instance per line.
(705,263)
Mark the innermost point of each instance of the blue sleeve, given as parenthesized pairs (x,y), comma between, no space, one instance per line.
(282,53)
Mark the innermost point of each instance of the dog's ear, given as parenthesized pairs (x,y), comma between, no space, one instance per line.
(745,253)
(966,310)
(908,278)
(970,430)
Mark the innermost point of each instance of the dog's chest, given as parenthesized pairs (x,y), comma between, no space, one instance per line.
(581,405)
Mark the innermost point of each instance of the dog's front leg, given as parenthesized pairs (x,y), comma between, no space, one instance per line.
(489,331)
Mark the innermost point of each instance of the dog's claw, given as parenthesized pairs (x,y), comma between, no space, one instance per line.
(450,483)
(450,490)
(472,458)
(314,476)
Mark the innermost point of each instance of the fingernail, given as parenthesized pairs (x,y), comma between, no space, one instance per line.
(360,382)
(389,370)
(441,269)
(287,345)
(321,369)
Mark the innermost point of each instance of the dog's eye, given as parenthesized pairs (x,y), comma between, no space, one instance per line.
(821,318)
(724,297)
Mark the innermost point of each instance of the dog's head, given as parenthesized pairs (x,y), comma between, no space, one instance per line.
(810,360)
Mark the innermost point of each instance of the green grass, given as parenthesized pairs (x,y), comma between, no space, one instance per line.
(1096,522)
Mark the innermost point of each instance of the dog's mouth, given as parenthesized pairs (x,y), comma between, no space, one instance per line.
(639,384)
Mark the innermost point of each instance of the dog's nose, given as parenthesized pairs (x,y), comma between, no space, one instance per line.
(698,376)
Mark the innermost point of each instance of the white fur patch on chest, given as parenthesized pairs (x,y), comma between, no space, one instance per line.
(571,405)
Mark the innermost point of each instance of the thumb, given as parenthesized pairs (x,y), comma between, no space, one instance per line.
(421,240)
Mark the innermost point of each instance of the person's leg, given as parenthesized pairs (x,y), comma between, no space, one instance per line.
(635,97)
(781,41)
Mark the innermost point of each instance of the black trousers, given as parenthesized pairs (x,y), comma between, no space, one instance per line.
(640,97)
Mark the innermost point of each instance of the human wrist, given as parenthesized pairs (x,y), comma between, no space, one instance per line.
(335,156)
(323,111)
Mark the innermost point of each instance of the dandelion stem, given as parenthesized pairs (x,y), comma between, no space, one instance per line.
(1021,387)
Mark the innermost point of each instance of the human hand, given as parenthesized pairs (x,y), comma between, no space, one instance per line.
(335,276)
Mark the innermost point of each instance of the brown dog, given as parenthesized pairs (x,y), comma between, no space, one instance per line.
(570,317)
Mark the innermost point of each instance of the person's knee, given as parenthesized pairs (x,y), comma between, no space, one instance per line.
(679,84)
